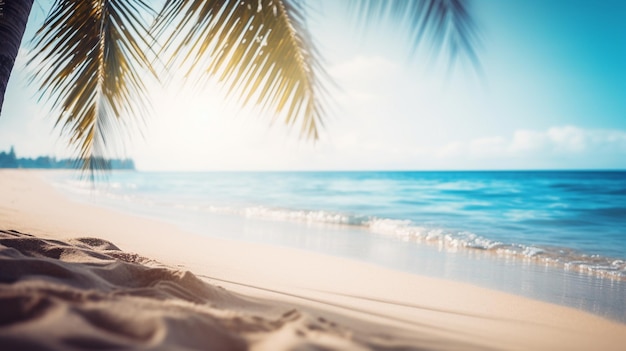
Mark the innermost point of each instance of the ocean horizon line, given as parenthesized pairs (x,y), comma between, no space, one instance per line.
(533,170)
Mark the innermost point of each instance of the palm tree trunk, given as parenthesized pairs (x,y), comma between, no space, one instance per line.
(13,18)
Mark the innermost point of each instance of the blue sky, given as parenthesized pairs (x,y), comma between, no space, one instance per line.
(552,96)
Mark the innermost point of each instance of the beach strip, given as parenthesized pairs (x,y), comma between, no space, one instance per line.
(79,276)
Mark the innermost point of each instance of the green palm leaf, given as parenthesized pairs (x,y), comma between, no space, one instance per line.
(260,50)
(263,54)
(91,55)
(444,23)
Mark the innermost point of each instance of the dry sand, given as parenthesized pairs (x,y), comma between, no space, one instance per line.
(75,276)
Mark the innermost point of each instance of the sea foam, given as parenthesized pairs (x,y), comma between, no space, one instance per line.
(157,198)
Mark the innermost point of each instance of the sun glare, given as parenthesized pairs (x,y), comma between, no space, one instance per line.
(196,129)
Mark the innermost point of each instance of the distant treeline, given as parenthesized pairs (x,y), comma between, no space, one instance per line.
(9,160)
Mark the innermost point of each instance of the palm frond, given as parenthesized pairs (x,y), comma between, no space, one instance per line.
(441,22)
(91,56)
(260,50)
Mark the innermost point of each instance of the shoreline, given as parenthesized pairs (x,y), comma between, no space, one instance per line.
(571,260)
(531,277)
(361,297)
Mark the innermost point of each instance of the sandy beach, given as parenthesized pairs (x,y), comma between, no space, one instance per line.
(75,276)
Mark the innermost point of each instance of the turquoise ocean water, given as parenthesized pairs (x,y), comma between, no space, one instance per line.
(558,236)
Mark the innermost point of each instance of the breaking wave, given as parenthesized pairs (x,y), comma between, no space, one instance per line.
(399,229)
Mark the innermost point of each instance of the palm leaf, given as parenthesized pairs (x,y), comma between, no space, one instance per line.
(260,51)
(444,23)
(91,57)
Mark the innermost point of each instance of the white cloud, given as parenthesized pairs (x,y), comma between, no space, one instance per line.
(575,140)
(562,141)
(570,139)
(527,141)
(487,147)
